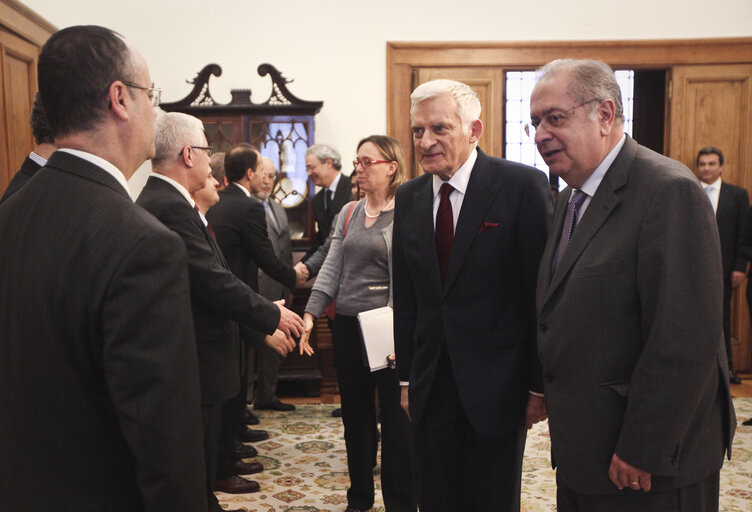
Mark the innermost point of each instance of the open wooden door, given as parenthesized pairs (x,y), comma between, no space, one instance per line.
(712,106)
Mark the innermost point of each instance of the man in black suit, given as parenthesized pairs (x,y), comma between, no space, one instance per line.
(240,224)
(218,298)
(98,377)
(464,312)
(730,204)
(43,148)
(324,164)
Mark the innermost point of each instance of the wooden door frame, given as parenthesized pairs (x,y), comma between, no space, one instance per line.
(402,58)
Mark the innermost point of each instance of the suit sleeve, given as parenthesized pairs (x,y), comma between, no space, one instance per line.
(745,238)
(150,363)
(316,260)
(740,262)
(405,307)
(213,285)
(258,247)
(681,321)
(532,232)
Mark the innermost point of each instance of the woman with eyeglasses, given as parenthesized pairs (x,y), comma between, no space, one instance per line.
(357,271)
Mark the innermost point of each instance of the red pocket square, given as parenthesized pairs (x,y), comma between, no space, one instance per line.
(486,226)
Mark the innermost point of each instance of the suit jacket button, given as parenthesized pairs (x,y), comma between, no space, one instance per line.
(548,377)
(543,327)
(444,306)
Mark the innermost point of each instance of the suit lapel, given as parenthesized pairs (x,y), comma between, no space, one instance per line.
(478,197)
(83,168)
(723,201)
(601,205)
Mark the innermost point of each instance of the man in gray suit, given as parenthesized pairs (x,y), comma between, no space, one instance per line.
(629,300)
(279,236)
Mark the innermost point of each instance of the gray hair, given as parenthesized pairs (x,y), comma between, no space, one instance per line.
(174,131)
(468,104)
(324,153)
(590,80)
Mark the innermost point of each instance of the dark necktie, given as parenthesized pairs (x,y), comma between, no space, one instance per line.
(444,228)
(570,222)
(327,200)
(208,226)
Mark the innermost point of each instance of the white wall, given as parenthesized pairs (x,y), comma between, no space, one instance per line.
(335,50)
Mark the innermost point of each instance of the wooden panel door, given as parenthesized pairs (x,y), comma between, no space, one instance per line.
(712,106)
(18,83)
(488,82)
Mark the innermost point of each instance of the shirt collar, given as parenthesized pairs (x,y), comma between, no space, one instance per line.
(101,163)
(241,187)
(40,161)
(459,179)
(715,185)
(333,185)
(180,188)
(594,181)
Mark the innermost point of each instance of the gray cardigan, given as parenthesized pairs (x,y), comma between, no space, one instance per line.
(361,292)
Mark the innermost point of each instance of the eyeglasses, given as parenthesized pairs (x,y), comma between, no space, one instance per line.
(367,162)
(209,150)
(155,96)
(554,119)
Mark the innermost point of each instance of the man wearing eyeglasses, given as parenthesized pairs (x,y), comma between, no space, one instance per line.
(218,298)
(98,376)
(629,299)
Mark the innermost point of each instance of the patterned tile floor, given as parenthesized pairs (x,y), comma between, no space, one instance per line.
(306,466)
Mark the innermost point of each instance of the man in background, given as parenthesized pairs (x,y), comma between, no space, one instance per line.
(730,204)
(279,236)
(324,164)
(630,320)
(95,305)
(43,149)
(218,169)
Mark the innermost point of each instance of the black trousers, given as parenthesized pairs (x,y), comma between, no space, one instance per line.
(357,387)
(701,496)
(459,469)
(727,293)
(212,422)
(232,419)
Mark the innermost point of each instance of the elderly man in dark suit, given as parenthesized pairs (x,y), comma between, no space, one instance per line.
(630,325)
(218,298)
(95,329)
(43,148)
(730,204)
(464,312)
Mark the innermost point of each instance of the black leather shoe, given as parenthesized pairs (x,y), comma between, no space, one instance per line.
(236,485)
(275,406)
(247,468)
(243,451)
(337,413)
(734,378)
(748,422)
(249,418)
(248,435)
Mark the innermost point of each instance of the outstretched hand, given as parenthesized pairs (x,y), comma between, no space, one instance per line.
(305,345)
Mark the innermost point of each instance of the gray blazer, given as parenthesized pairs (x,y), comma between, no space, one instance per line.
(279,236)
(630,330)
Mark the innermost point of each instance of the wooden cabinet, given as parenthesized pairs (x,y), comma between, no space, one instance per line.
(282,128)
